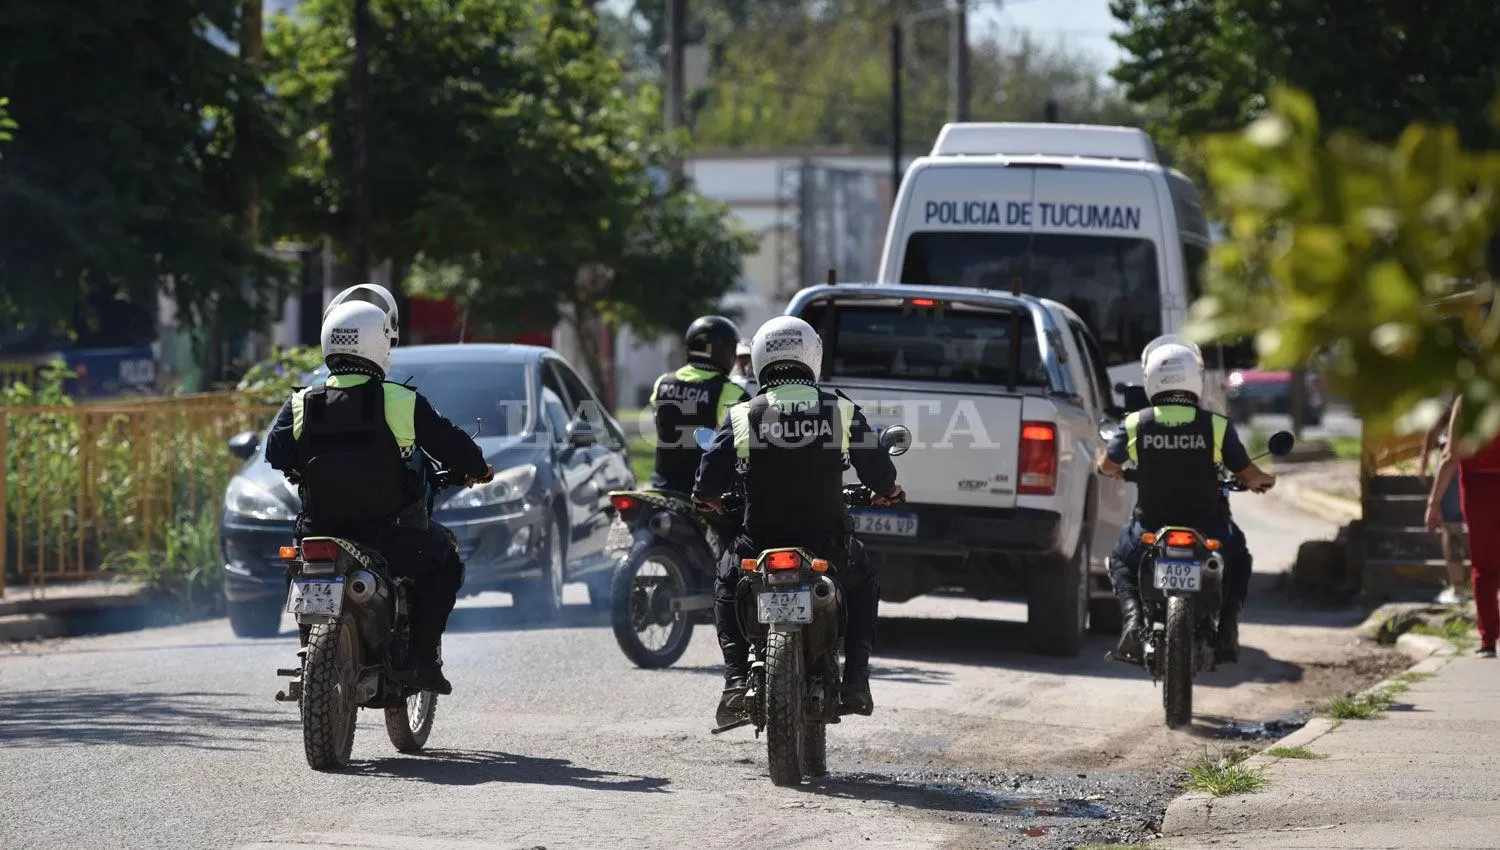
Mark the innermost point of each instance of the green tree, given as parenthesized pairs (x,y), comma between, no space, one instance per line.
(1370,67)
(124,179)
(510,167)
(1350,248)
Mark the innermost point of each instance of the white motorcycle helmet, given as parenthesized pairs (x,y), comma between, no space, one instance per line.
(783,339)
(372,293)
(357,329)
(1173,364)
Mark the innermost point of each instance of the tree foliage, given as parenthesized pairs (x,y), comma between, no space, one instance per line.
(138,137)
(510,167)
(797,72)
(1370,67)
(1348,247)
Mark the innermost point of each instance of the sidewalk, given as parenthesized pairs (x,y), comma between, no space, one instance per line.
(1423,774)
(62,605)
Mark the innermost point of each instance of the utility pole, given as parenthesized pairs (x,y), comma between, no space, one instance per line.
(958,63)
(896,118)
(359,248)
(1052,110)
(676,47)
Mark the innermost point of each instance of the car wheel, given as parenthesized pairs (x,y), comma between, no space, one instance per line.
(1057,608)
(260,618)
(541,599)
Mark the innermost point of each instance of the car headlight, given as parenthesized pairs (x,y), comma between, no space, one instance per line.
(509,488)
(248,499)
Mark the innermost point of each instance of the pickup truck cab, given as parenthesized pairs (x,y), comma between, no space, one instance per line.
(1005,396)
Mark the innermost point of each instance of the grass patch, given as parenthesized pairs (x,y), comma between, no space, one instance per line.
(642,459)
(1224,776)
(1412,677)
(1114,847)
(1457,631)
(1360,707)
(1345,448)
(1293,753)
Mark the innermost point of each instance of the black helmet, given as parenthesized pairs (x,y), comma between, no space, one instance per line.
(711,340)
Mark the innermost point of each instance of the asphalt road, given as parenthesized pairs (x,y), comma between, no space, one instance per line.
(169,737)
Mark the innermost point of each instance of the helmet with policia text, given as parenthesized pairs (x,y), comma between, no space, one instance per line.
(786,348)
(356,338)
(711,340)
(1173,364)
(372,293)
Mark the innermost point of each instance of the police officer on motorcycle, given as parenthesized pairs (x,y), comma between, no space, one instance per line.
(695,396)
(790,442)
(1178,448)
(357,447)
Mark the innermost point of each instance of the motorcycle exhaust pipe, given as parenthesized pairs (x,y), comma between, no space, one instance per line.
(363,585)
(660,523)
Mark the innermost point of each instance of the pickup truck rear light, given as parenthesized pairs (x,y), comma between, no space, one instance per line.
(1038,463)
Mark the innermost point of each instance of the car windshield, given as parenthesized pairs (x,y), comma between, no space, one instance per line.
(1109,281)
(463,392)
(949,344)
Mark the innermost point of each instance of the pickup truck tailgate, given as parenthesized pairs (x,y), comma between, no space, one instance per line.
(964,444)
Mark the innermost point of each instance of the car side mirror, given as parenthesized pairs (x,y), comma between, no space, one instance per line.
(581,434)
(1281,443)
(896,440)
(245,444)
(1135,396)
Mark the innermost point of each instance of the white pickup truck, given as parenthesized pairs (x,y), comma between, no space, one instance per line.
(1005,396)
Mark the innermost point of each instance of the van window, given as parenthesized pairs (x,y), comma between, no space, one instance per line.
(955,345)
(1193,259)
(1109,281)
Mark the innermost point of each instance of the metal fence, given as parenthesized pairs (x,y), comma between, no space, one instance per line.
(84,483)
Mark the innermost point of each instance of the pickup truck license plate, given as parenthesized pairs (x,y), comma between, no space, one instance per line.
(1179,575)
(316,596)
(793,606)
(885,522)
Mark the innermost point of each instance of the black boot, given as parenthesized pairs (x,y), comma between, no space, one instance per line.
(1227,647)
(1129,647)
(732,702)
(854,692)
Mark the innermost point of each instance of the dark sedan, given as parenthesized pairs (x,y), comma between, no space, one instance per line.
(542,522)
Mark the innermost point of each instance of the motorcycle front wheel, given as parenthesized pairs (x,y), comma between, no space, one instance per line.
(647,630)
(1178,663)
(784,726)
(329,679)
(409,725)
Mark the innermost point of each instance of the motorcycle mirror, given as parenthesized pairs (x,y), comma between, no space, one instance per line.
(896,440)
(1281,443)
(478,427)
(705,438)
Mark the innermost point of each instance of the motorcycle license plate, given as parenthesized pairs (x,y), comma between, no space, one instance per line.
(316,596)
(1179,575)
(885,522)
(792,606)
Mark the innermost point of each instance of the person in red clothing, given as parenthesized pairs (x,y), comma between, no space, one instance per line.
(1479,489)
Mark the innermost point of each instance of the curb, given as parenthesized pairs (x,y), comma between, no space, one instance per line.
(1192,813)
(20,627)
(1322,505)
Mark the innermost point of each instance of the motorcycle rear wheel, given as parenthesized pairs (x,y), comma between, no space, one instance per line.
(329,679)
(784,706)
(634,603)
(409,725)
(1178,663)
(815,750)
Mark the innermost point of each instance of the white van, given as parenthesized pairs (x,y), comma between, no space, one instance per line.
(1080,214)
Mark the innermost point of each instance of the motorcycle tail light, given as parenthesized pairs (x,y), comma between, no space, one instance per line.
(288,553)
(783,561)
(820,565)
(623,502)
(320,550)
(1181,538)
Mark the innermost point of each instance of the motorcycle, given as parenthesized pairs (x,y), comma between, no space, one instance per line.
(358,647)
(793,613)
(1182,576)
(663,586)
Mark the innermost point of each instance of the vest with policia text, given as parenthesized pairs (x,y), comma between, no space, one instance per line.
(794,439)
(683,401)
(1177,450)
(356,452)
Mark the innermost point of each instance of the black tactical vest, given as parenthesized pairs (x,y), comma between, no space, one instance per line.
(352,470)
(1177,450)
(794,438)
(684,401)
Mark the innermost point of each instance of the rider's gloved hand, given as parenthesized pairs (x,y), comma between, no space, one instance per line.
(896,495)
(489,475)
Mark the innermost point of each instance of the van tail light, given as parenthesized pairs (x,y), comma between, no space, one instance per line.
(1038,459)
(1181,539)
(320,550)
